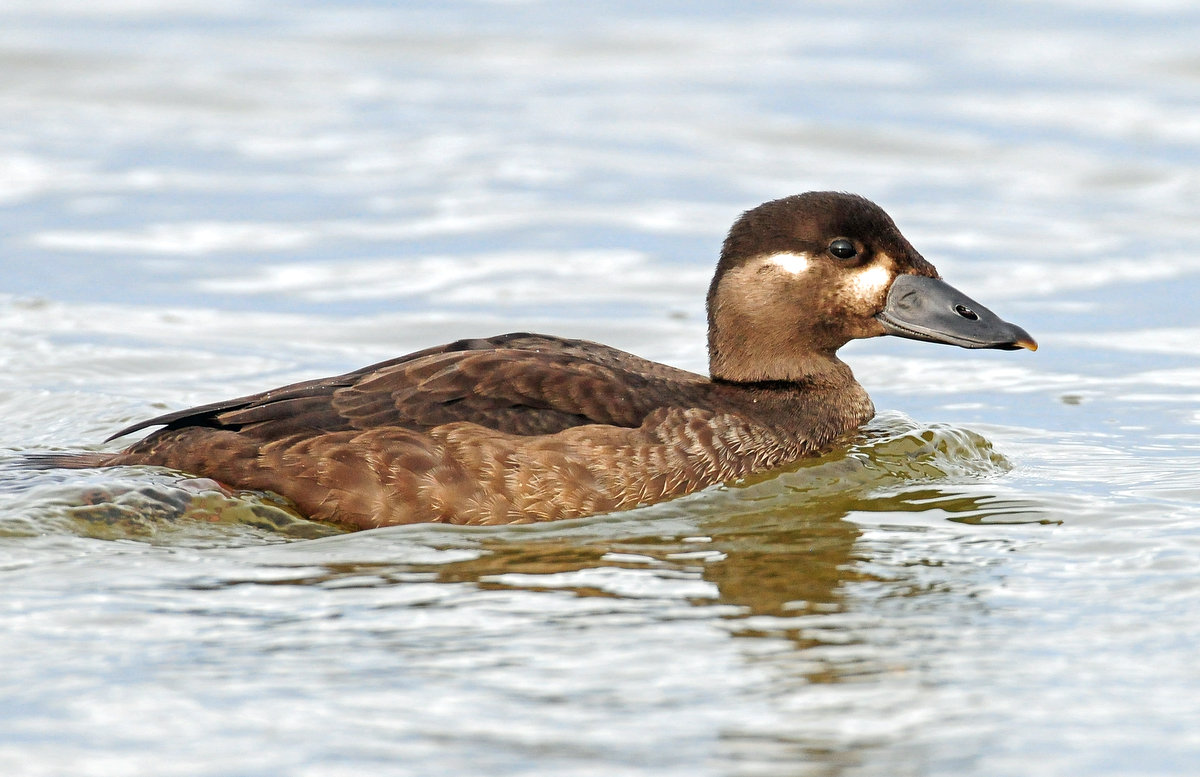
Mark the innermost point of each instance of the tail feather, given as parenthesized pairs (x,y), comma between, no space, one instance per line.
(67,460)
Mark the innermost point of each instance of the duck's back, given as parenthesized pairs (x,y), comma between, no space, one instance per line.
(520,383)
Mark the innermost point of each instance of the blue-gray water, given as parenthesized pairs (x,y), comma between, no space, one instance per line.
(999,577)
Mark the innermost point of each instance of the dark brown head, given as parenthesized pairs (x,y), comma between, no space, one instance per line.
(802,276)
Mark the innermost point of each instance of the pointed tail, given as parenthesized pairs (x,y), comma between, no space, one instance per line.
(67,460)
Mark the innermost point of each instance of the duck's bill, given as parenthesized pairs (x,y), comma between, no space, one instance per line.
(922,308)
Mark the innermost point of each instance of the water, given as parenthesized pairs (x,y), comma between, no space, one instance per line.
(998,577)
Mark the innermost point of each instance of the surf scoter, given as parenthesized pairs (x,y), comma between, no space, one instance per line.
(525,427)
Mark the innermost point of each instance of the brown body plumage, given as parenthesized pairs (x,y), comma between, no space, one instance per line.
(525,427)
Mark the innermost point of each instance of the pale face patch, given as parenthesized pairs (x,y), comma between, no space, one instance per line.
(795,264)
(871,282)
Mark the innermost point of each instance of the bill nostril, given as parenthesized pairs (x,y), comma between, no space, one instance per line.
(966,312)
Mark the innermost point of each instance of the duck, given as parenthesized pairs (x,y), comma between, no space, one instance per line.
(521,427)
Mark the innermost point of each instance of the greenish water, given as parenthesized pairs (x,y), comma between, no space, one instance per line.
(997,577)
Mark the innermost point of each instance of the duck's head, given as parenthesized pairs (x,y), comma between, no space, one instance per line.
(802,276)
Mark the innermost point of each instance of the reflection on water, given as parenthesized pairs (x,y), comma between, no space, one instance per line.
(774,554)
(777,544)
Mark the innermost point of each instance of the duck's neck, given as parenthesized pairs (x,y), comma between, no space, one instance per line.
(767,359)
(815,398)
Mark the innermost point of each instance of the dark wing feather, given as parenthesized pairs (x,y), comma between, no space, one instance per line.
(520,392)
(516,383)
(205,415)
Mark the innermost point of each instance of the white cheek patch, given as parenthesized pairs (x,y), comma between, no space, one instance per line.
(870,282)
(794,264)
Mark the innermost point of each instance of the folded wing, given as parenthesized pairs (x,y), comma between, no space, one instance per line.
(518,384)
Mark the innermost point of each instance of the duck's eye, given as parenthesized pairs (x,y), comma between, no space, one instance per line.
(843,249)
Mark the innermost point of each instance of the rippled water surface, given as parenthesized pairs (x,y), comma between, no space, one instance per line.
(997,577)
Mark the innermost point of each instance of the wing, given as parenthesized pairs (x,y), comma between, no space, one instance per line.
(516,383)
